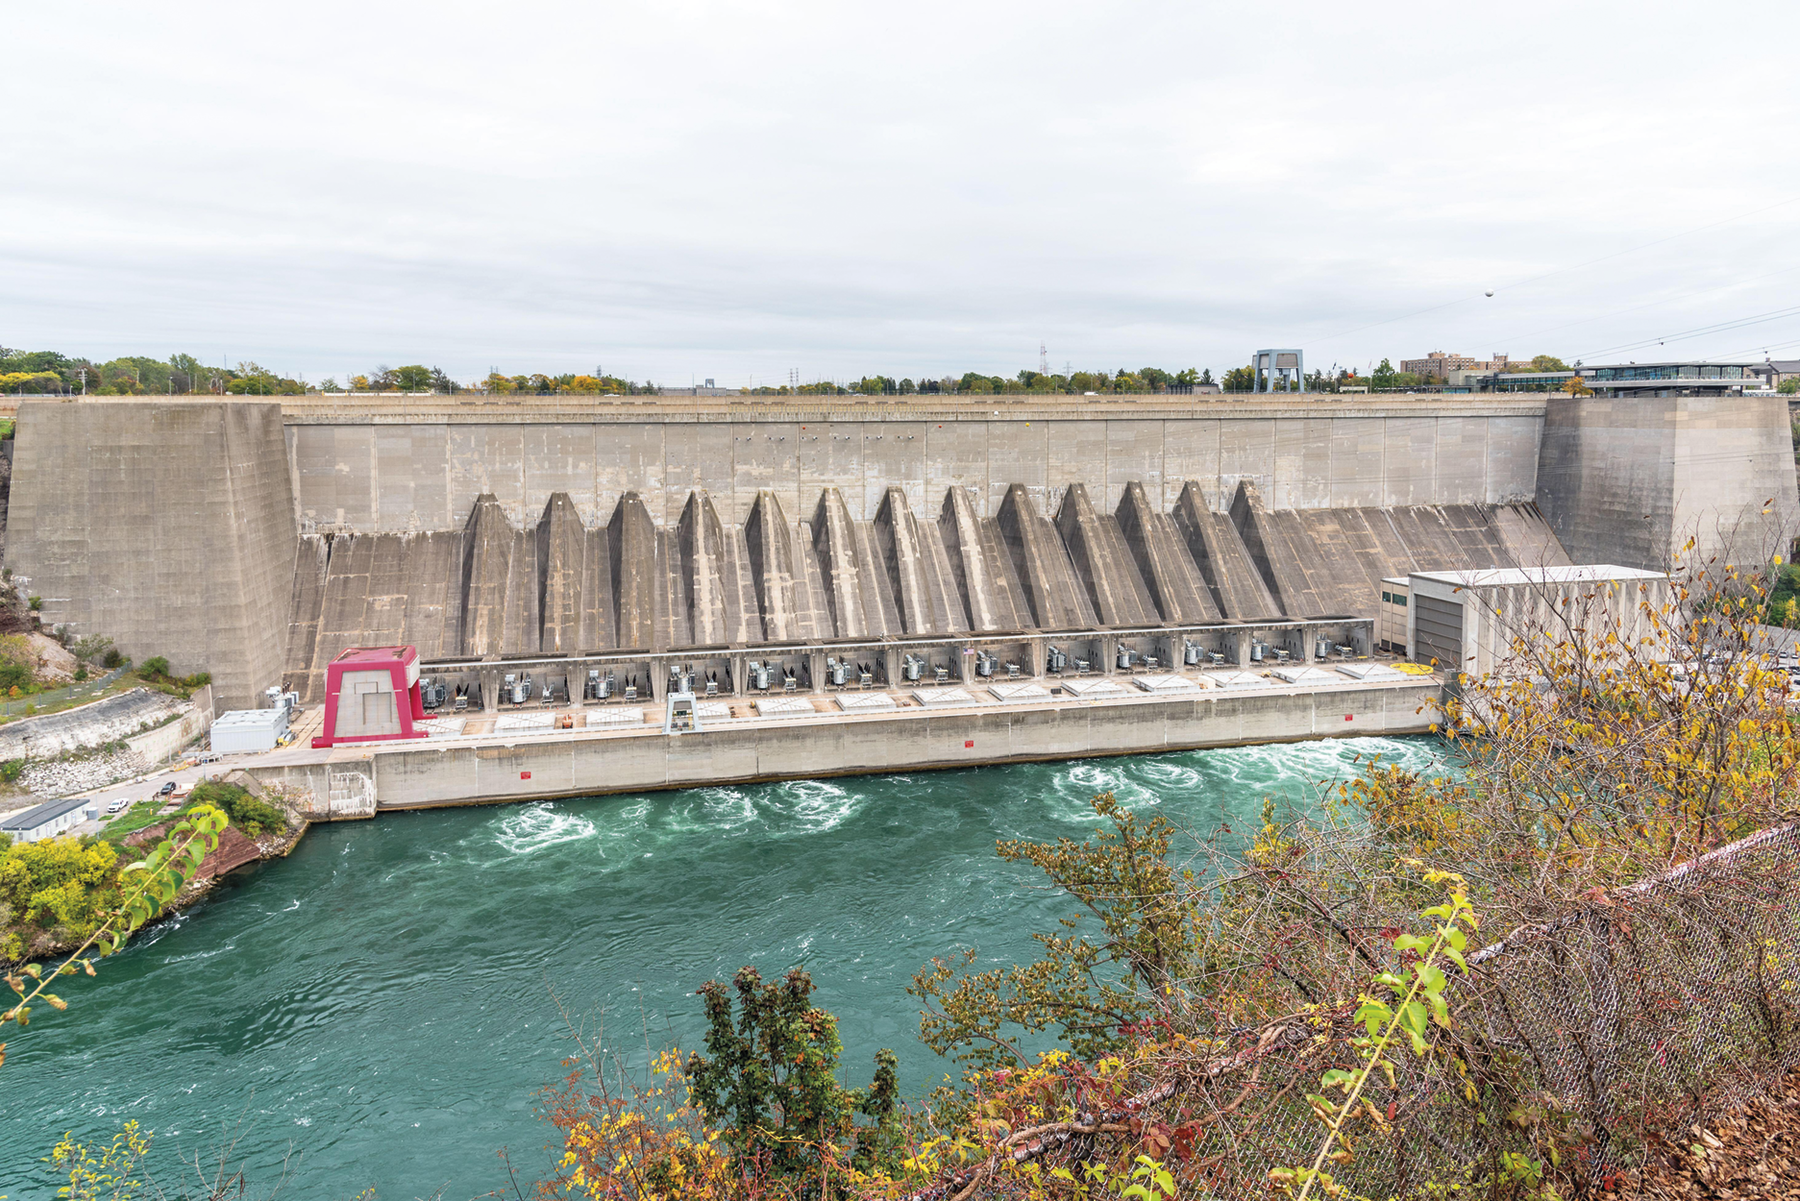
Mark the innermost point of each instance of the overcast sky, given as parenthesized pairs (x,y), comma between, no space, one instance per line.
(679,190)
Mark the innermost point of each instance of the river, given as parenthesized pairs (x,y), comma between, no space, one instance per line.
(384,1004)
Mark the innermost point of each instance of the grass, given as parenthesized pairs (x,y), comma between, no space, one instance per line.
(123,684)
(140,815)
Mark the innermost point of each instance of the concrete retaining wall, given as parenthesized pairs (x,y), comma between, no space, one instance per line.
(106,720)
(156,745)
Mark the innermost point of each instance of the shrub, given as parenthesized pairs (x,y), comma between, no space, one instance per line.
(113,658)
(14,676)
(244,810)
(11,770)
(154,666)
(199,679)
(37,603)
(81,673)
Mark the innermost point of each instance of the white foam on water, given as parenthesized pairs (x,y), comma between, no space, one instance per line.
(726,808)
(532,828)
(810,806)
(1168,773)
(1077,784)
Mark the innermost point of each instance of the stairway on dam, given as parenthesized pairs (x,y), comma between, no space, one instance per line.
(560,587)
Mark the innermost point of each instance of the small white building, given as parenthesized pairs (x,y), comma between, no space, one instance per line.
(249,730)
(1467,621)
(46,820)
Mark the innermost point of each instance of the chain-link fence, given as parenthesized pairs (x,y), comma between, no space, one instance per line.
(40,701)
(1587,1034)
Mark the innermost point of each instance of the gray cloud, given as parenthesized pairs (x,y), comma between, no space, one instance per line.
(736,189)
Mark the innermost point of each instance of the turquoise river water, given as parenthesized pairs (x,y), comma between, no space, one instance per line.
(384,1002)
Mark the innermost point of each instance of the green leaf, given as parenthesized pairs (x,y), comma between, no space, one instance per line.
(1455,956)
(1374,1015)
(1413,1017)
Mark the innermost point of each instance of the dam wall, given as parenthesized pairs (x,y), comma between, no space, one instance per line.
(167,526)
(256,540)
(1631,480)
(390,469)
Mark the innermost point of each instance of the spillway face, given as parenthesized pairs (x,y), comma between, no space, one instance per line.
(1163,562)
(981,571)
(1055,597)
(563,588)
(1222,558)
(632,547)
(1102,564)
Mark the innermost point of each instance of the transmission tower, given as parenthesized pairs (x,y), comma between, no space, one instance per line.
(1043,359)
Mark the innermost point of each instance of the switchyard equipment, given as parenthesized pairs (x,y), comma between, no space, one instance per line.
(911,667)
(372,695)
(433,692)
(599,687)
(837,672)
(1055,660)
(1190,652)
(984,663)
(760,674)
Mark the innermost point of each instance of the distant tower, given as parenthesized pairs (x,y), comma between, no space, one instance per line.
(1043,359)
(1288,366)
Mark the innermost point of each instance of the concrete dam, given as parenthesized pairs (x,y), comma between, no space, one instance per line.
(256,540)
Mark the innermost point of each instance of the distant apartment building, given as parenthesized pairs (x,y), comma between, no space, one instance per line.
(1437,365)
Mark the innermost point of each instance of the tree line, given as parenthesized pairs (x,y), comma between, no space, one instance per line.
(42,371)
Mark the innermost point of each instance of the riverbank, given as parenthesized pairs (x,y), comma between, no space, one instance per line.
(85,880)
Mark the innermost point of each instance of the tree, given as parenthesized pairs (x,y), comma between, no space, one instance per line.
(1547,362)
(1206,376)
(441,382)
(1240,379)
(769,1082)
(1091,991)
(1788,387)
(416,378)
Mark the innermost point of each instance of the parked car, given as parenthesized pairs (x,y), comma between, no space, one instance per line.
(116,806)
(166,789)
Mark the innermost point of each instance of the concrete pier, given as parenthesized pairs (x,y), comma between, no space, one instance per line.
(620,749)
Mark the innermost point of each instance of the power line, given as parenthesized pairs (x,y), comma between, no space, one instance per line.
(1563,270)
(1735,283)
(1698,331)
